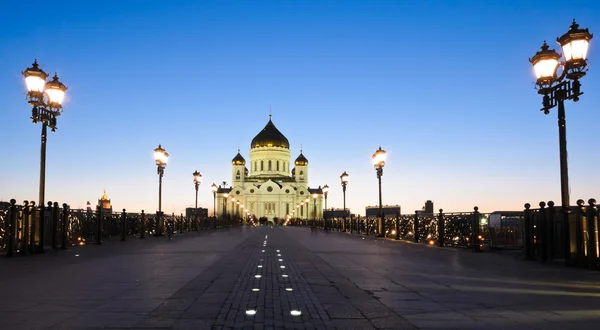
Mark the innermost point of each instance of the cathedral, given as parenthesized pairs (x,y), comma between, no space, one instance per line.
(270,185)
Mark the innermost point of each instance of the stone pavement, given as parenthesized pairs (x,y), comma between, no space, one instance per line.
(254,278)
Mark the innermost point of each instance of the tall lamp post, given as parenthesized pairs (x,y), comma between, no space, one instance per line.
(325,193)
(214,189)
(344,178)
(379,162)
(306,202)
(197,181)
(225,199)
(558,88)
(161,157)
(315,207)
(46,98)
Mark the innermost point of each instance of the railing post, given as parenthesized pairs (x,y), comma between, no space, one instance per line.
(33,230)
(550,236)
(55,214)
(65,226)
(99,225)
(543,234)
(475,230)
(528,233)
(397,225)
(124,225)
(580,227)
(441,228)
(538,232)
(12,228)
(25,237)
(42,228)
(592,229)
(416,227)
(143,225)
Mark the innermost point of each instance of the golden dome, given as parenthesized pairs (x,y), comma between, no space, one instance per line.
(104,197)
(270,136)
(238,159)
(301,160)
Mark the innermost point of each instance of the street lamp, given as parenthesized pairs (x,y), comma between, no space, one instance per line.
(344,178)
(214,189)
(556,89)
(379,162)
(325,193)
(315,207)
(225,196)
(46,98)
(161,157)
(197,181)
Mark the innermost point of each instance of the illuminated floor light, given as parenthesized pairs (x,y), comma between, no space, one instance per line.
(279,259)
(256,289)
(263,251)
(282,266)
(288,289)
(294,312)
(258,276)
(278,251)
(259,266)
(284,275)
(252,312)
(279,254)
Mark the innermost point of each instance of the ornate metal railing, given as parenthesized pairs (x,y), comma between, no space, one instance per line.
(28,228)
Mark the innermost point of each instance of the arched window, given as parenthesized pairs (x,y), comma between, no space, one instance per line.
(262,165)
(270,166)
(237,175)
(277,166)
(254,166)
(301,172)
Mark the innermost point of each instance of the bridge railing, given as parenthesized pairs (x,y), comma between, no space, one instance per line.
(27,228)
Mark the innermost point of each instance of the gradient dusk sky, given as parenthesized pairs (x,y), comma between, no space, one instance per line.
(444,86)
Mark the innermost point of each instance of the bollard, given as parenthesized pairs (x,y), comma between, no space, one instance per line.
(143,226)
(475,230)
(416,227)
(441,228)
(124,226)
(34,219)
(65,226)
(25,238)
(528,233)
(592,228)
(99,225)
(540,233)
(12,228)
(55,214)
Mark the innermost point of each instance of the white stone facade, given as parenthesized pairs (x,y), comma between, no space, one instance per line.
(270,185)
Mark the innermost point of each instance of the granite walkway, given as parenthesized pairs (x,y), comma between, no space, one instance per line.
(290,278)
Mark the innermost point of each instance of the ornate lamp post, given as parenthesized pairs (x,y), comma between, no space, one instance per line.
(315,207)
(46,98)
(306,202)
(379,162)
(225,196)
(214,189)
(161,157)
(325,193)
(558,88)
(344,178)
(237,212)
(197,181)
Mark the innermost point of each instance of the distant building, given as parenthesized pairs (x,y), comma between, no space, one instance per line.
(104,203)
(336,213)
(388,211)
(202,212)
(427,208)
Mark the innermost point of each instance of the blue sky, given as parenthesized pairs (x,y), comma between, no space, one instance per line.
(444,86)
